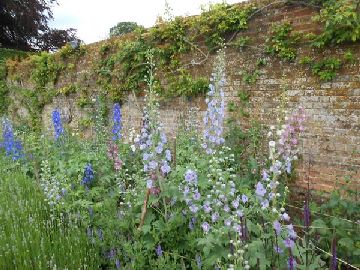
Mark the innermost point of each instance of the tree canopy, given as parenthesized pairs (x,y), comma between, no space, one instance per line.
(123,28)
(24,26)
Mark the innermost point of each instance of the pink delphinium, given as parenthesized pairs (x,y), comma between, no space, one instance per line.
(113,154)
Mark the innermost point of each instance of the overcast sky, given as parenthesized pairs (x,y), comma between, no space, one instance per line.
(93,18)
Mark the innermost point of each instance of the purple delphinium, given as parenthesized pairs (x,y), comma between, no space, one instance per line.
(334,255)
(159,251)
(214,115)
(291,262)
(260,190)
(198,261)
(88,176)
(100,234)
(291,232)
(206,227)
(116,130)
(289,243)
(168,155)
(244,198)
(165,168)
(307,215)
(278,249)
(13,148)
(117,263)
(277,227)
(192,223)
(58,127)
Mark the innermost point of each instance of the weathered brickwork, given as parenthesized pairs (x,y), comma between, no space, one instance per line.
(332,139)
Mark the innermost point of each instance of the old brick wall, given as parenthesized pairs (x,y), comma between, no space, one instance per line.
(332,139)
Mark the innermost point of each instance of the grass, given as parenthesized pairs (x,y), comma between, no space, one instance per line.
(32,236)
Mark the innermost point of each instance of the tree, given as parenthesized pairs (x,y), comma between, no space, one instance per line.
(123,28)
(24,25)
(56,38)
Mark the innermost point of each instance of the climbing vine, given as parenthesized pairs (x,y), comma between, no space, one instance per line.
(341,21)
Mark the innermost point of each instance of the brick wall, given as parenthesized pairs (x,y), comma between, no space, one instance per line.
(332,138)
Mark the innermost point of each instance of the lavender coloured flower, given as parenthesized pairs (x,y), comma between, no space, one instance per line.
(214,115)
(214,217)
(159,148)
(117,263)
(192,223)
(260,190)
(291,232)
(198,261)
(264,204)
(58,127)
(285,217)
(289,243)
(191,176)
(116,130)
(277,227)
(159,251)
(168,155)
(206,227)
(194,208)
(278,249)
(244,198)
(100,234)
(165,168)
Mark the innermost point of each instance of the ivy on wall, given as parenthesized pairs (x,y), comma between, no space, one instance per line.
(6,54)
(341,21)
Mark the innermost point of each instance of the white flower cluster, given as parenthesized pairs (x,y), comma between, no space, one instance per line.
(53,189)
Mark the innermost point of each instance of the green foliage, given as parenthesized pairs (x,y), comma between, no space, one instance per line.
(240,42)
(123,28)
(6,54)
(172,37)
(250,77)
(341,19)
(338,218)
(282,41)
(46,69)
(125,70)
(326,69)
(67,52)
(220,20)
(68,89)
(184,84)
(349,57)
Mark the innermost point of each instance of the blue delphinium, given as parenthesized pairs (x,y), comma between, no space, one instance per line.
(117,122)
(58,127)
(12,147)
(88,176)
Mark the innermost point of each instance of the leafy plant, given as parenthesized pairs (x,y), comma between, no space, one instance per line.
(337,217)
(326,68)
(341,21)
(221,20)
(282,41)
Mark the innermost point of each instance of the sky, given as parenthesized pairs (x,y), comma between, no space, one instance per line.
(93,18)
